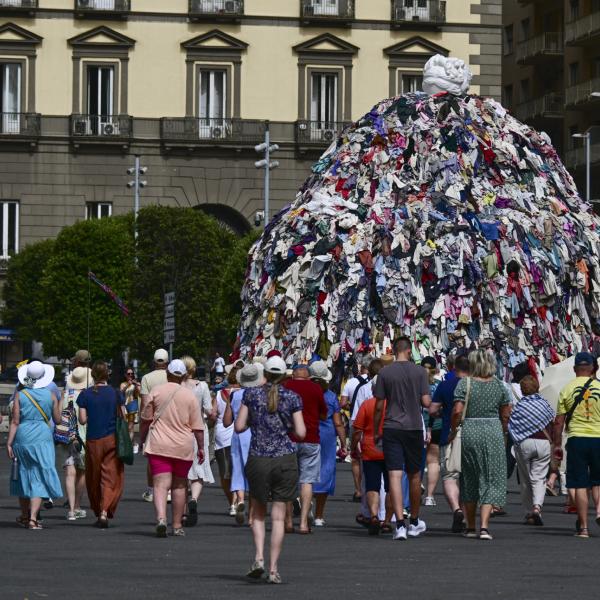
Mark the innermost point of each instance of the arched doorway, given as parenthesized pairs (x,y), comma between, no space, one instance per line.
(228,217)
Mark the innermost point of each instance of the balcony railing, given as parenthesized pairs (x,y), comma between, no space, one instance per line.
(418,11)
(550,106)
(18,5)
(583,30)
(582,93)
(17,126)
(576,157)
(107,7)
(216,8)
(327,10)
(102,128)
(318,133)
(199,131)
(547,44)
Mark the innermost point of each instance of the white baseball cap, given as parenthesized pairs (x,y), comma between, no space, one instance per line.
(177,367)
(161,356)
(276,365)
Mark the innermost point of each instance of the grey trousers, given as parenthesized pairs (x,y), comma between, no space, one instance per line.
(533,460)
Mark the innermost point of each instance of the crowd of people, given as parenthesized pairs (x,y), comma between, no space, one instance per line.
(276,434)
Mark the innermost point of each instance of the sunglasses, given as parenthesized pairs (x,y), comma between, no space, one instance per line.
(130,373)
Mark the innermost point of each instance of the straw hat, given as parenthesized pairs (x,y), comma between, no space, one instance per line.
(250,376)
(36,375)
(80,378)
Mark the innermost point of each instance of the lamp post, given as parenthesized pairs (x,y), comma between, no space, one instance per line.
(267,164)
(136,184)
(587,136)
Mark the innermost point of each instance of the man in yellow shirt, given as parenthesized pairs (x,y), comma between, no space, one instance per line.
(579,414)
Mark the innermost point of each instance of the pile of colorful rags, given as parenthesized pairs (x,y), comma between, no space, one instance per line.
(440,217)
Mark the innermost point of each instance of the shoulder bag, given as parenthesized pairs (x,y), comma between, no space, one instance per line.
(577,402)
(124,444)
(40,409)
(454,452)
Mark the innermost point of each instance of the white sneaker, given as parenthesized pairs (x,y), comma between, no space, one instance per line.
(418,529)
(319,523)
(136,448)
(429,501)
(400,533)
(80,513)
(71,516)
(232,510)
(148,495)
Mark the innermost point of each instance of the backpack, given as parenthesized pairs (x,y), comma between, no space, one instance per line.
(65,431)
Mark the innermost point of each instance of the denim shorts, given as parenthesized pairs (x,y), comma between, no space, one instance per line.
(309,462)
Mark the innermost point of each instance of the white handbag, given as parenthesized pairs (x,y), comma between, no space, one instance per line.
(454,451)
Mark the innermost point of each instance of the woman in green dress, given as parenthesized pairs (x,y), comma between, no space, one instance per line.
(483,465)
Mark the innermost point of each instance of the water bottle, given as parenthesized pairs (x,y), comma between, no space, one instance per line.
(14,470)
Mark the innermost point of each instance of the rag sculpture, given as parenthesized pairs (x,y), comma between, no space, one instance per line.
(439,216)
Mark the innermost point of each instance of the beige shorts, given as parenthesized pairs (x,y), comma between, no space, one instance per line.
(444,473)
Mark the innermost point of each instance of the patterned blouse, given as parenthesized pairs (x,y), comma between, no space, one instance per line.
(270,430)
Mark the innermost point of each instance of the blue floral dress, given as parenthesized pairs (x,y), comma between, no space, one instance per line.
(34,448)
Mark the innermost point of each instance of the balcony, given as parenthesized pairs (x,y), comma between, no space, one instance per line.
(327,12)
(584,31)
(418,13)
(24,128)
(216,10)
(576,158)
(104,130)
(581,95)
(540,48)
(19,7)
(318,134)
(102,9)
(193,132)
(550,106)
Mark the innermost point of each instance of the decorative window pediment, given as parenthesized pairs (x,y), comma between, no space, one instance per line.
(101,39)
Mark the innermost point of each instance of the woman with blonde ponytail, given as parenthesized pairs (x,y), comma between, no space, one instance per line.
(272,412)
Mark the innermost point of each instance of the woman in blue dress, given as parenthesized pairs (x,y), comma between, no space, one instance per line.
(331,427)
(31,443)
(240,446)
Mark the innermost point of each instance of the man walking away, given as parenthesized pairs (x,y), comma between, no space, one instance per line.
(404,387)
(170,420)
(441,406)
(218,368)
(314,410)
(149,381)
(579,414)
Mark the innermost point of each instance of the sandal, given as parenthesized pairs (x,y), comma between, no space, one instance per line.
(536,517)
(274,578)
(386,528)
(23,521)
(374,526)
(550,491)
(290,529)
(362,520)
(470,533)
(583,533)
(304,531)
(484,534)
(34,525)
(498,511)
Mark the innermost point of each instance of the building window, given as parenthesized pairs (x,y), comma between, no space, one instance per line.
(9,227)
(508,40)
(10,96)
(212,104)
(100,93)
(524,90)
(574,9)
(525,29)
(508,96)
(325,7)
(410,83)
(324,97)
(98,210)
(574,73)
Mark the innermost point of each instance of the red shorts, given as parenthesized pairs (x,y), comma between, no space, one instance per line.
(166,464)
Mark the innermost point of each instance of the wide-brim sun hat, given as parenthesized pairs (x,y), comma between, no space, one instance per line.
(35,375)
(319,370)
(80,379)
(250,376)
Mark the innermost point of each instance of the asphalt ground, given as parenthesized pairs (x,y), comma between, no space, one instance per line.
(340,561)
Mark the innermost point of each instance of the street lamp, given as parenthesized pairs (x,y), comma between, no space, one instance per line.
(267,164)
(587,136)
(136,184)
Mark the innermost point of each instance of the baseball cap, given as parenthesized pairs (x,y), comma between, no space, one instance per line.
(82,356)
(584,358)
(276,365)
(161,356)
(176,367)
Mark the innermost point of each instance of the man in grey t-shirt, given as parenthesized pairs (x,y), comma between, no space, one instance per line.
(404,388)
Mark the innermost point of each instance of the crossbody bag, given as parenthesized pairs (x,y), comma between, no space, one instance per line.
(454,452)
(36,404)
(577,402)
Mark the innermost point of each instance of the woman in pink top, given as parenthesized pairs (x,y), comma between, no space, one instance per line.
(171,422)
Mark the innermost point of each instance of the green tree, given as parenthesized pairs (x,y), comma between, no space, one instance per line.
(22,292)
(105,247)
(179,250)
